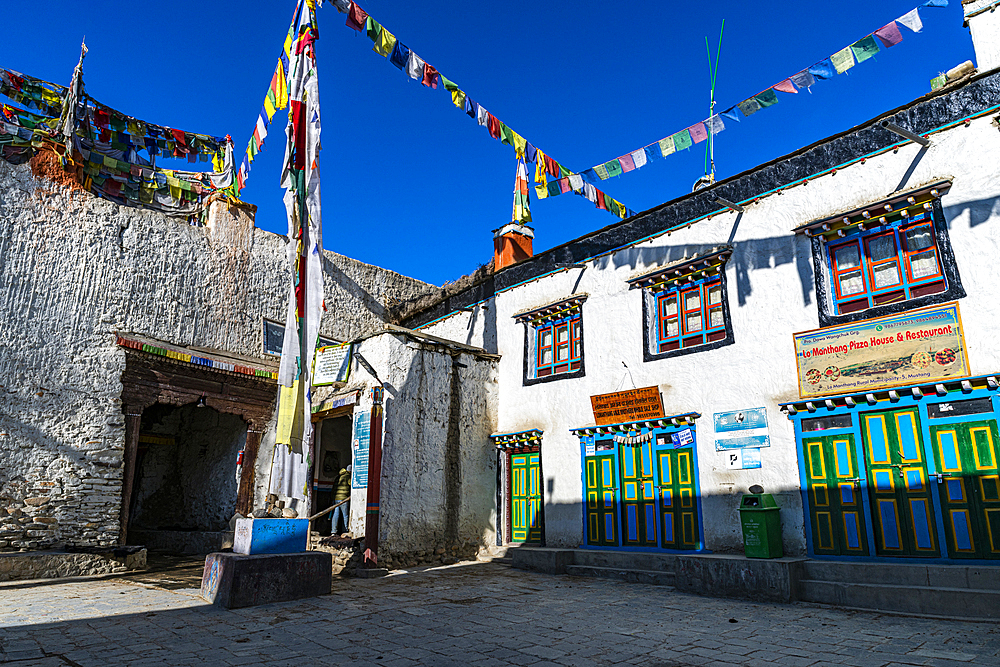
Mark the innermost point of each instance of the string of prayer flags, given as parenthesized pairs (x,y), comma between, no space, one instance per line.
(275,99)
(388,45)
(841,61)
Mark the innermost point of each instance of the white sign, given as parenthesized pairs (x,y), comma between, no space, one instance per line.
(742,459)
(742,429)
(332,364)
(591,449)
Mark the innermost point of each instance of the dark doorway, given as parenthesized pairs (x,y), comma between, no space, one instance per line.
(333,453)
(185,486)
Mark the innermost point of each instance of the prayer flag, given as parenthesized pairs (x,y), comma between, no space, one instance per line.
(372,29)
(822,70)
(652,152)
(803,79)
(415,67)
(731,113)
(385,44)
(590,175)
(430,76)
(600,200)
(493,125)
(911,20)
(785,86)
(576,181)
(506,135)
(627,163)
(356,17)
(863,49)
(471,107)
(682,140)
(935,3)
(400,55)
(541,191)
(530,152)
(639,158)
(889,34)
(590,192)
(749,107)
(666,145)
(698,133)
(842,60)
(767,99)
(552,167)
(448,83)
(601,171)
(563,185)
(540,176)
(483,116)
(554,189)
(519,144)
(614,168)
(715,124)
(521,212)
(458,98)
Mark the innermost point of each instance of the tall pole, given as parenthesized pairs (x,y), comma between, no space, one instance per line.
(374,479)
(713,70)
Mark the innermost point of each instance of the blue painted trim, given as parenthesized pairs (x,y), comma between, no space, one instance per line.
(906,400)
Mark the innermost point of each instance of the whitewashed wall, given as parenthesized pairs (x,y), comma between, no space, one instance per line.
(771,295)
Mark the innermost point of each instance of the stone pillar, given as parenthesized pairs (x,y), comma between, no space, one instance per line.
(133,419)
(374,480)
(248,471)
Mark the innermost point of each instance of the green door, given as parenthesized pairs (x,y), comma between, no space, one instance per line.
(678,513)
(898,489)
(638,497)
(969,487)
(525,498)
(838,525)
(602,501)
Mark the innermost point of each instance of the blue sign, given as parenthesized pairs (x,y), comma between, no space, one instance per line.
(751,458)
(740,420)
(359,442)
(742,442)
(270,536)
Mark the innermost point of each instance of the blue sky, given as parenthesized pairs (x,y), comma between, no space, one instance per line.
(412,184)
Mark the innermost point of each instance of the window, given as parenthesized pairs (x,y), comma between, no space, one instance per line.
(559,346)
(690,315)
(884,258)
(553,345)
(887,265)
(685,306)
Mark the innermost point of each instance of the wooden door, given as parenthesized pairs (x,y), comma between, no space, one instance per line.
(968,486)
(602,500)
(638,499)
(678,508)
(833,484)
(898,488)
(525,498)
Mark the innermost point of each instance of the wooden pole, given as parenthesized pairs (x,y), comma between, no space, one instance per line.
(374,480)
(133,417)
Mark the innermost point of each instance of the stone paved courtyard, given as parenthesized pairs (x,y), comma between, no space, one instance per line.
(467,614)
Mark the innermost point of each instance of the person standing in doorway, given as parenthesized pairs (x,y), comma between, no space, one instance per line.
(342,492)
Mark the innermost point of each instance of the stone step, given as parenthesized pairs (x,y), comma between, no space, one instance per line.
(626,560)
(904,574)
(932,600)
(651,577)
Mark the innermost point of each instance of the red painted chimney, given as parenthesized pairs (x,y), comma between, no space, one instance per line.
(511,244)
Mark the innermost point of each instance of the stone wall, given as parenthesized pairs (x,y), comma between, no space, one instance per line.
(73,270)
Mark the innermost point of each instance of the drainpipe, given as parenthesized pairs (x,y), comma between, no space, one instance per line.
(374,480)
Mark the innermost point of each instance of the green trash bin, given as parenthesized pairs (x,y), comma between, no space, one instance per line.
(761,521)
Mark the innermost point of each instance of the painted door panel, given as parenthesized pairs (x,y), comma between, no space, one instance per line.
(525,498)
(835,508)
(968,487)
(602,500)
(677,499)
(899,492)
(638,497)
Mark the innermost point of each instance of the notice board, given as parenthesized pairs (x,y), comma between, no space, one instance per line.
(627,406)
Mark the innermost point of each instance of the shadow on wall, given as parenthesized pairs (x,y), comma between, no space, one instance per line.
(979,210)
(662,525)
(486,313)
(748,255)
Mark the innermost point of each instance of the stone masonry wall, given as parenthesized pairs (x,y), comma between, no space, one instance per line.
(73,270)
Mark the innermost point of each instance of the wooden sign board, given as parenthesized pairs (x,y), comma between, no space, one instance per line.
(627,406)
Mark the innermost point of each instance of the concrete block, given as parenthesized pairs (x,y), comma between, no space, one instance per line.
(233,581)
(774,579)
(271,536)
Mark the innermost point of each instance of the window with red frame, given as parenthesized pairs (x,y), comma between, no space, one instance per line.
(559,346)
(886,265)
(689,315)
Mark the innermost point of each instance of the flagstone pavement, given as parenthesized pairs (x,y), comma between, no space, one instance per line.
(481,614)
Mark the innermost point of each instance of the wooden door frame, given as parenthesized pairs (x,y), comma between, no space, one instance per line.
(149,379)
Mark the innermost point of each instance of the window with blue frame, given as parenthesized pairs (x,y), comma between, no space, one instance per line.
(884,258)
(685,305)
(553,345)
